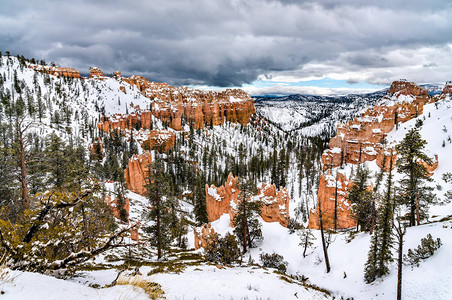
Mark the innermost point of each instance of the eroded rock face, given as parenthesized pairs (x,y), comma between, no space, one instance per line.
(161,140)
(137,172)
(203,235)
(403,87)
(327,193)
(275,206)
(361,140)
(113,202)
(224,200)
(447,88)
(183,105)
(57,71)
(138,120)
(218,200)
(95,72)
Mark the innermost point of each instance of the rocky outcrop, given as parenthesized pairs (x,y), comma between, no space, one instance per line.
(363,139)
(56,71)
(403,87)
(95,72)
(182,105)
(218,199)
(275,204)
(224,200)
(137,172)
(203,235)
(113,202)
(136,120)
(327,194)
(160,140)
(447,90)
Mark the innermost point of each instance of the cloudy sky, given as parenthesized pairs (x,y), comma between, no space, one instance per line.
(315,47)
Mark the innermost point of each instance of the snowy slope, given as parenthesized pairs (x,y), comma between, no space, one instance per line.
(310,115)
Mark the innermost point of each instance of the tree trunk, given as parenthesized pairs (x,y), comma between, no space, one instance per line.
(305,245)
(325,251)
(418,219)
(23,168)
(159,233)
(335,205)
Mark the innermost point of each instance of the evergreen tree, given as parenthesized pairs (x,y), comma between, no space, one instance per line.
(381,241)
(246,222)
(414,193)
(361,199)
(199,198)
(159,191)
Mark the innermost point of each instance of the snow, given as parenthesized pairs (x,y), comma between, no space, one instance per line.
(213,192)
(27,285)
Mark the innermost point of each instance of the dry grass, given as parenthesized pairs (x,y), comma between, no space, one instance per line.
(152,289)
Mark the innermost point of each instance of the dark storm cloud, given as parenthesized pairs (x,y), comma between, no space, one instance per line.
(230,42)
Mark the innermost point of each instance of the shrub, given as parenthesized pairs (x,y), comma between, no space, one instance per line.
(274,260)
(426,249)
(223,250)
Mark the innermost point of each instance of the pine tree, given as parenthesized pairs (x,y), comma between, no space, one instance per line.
(246,222)
(159,191)
(414,194)
(199,198)
(361,199)
(381,241)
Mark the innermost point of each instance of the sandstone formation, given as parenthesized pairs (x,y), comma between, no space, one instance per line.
(327,194)
(137,172)
(447,90)
(160,140)
(203,235)
(95,72)
(182,105)
(56,71)
(113,202)
(363,139)
(137,120)
(224,199)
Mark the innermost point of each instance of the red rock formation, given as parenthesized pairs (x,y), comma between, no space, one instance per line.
(57,71)
(224,200)
(326,193)
(113,202)
(447,88)
(137,172)
(203,235)
(138,120)
(96,150)
(174,105)
(275,206)
(360,140)
(95,72)
(134,236)
(161,140)
(218,200)
(403,87)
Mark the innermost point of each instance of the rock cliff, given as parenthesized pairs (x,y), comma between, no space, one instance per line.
(224,200)
(95,72)
(137,172)
(57,71)
(182,105)
(363,139)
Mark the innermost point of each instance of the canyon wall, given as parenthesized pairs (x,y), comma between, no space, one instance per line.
(363,139)
(182,105)
(137,172)
(224,200)
(56,71)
